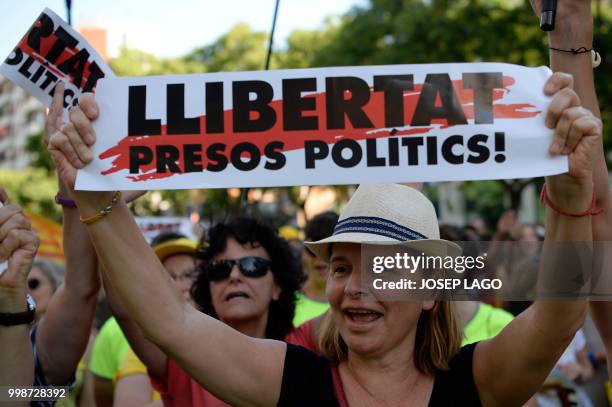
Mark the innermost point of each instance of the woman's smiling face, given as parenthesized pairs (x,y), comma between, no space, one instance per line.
(369,327)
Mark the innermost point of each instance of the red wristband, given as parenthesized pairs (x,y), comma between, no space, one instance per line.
(592,210)
(66,203)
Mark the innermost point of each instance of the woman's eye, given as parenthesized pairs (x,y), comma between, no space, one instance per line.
(339,269)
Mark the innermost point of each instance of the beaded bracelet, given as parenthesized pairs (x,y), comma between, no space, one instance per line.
(108,209)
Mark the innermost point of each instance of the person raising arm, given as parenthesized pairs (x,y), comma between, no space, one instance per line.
(574,29)
(63,333)
(18,246)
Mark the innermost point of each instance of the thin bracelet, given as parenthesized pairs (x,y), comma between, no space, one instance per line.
(108,209)
(595,57)
(575,51)
(590,211)
(65,202)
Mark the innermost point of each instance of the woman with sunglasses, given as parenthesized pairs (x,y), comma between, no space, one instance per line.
(248,279)
(378,352)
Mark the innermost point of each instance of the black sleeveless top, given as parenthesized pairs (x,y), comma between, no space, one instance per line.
(308,381)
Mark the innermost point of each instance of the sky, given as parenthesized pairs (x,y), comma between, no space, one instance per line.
(171,28)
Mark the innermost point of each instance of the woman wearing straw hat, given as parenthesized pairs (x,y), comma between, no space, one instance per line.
(378,353)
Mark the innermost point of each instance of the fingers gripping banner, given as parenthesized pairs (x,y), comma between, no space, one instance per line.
(342,125)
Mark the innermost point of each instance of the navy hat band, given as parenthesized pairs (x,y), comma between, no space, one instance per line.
(377,226)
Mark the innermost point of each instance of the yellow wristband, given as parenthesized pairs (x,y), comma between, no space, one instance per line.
(108,209)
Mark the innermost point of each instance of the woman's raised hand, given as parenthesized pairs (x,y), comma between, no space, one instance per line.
(577,132)
(70,146)
(18,245)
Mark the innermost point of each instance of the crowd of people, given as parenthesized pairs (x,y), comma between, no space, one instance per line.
(243,317)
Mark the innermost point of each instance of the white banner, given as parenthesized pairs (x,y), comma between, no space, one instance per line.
(151,226)
(342,125)
(49,52)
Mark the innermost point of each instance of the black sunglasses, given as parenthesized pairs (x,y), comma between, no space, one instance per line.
(250,266)
(33,283)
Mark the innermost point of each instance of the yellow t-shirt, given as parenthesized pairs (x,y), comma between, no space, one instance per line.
(74,393)
(131,365)
(487,323)
(109,350)
(307,309)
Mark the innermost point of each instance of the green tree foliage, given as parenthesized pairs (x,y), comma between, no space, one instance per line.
(36,147)
(302,45)
(132,62)
(33,189)
(241,49)
(416,31)
(603,75)
(484,198)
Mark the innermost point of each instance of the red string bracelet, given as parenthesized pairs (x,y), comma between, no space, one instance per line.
(591,211)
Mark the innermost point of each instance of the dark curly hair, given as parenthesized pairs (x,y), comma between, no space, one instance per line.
(321,226)
(284,267)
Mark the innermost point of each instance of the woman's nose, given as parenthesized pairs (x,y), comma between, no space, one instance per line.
(235,273)
(353,285)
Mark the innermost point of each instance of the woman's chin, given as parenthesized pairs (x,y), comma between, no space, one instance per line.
(237,312)
(363,346)
(362,339)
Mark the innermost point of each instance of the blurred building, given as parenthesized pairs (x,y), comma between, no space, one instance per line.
(21,116)
(97,38)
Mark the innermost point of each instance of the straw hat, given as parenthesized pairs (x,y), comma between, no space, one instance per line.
(175,246)
(389,214)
